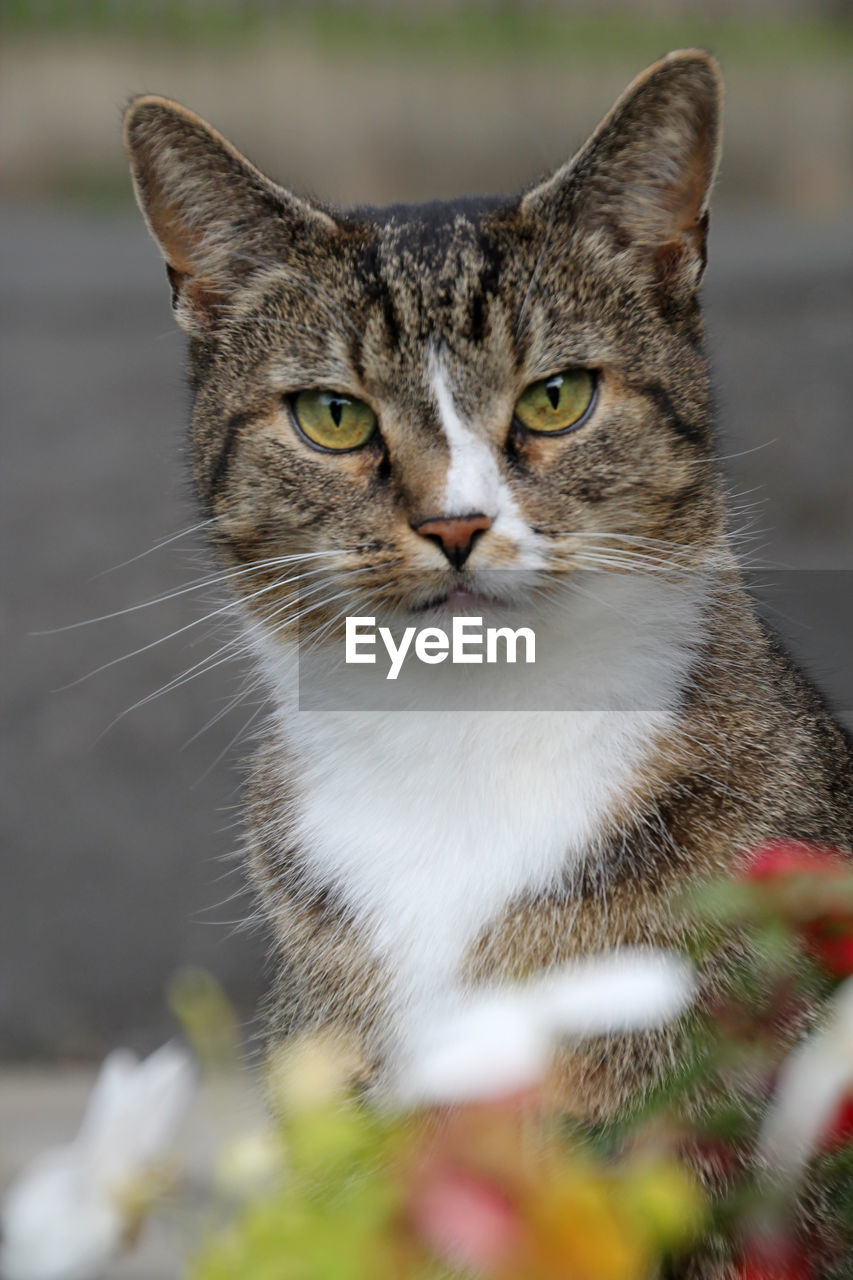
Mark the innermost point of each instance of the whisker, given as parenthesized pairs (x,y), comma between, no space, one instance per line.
(741,453)
(232,742)
(637,539)
(187,626)
(246,688)
(225,575)
(315,639)
(157,546)
(234,648)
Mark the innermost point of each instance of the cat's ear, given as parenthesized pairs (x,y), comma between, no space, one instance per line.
(216,218)
(644,177)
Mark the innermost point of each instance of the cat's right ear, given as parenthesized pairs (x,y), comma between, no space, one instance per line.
(216,218)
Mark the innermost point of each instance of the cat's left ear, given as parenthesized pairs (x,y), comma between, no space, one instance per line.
(644,178)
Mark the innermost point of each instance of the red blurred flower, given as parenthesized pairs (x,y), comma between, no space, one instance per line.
(825,926)
(830,938)
(478,1201)
(840,1131)
(789,857)
(467,1220)
(466,1182)
(774,1262)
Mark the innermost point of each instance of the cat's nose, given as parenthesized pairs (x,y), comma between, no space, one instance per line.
(455,535)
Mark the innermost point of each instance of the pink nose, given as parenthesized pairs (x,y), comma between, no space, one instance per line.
(455,535)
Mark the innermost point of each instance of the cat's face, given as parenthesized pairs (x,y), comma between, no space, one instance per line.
(391,405)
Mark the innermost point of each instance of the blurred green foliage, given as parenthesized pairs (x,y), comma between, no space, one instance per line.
(504,30)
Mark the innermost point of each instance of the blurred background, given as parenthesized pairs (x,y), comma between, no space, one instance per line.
(120,770)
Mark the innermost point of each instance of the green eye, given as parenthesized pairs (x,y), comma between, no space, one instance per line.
(332,420)
(557,403)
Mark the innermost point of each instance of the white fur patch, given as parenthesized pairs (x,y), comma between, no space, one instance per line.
(430,823)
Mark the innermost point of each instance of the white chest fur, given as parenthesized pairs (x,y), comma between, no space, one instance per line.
(429,824)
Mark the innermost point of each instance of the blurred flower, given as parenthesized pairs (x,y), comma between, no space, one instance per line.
(788,857)
(782,1261)
(500,1040)
(479,1198)
(581,1227)
(468,1220)
(75,1206)
(840,1129)
(812,1085)
(482,1200)
(830,938)
(813,888)
(310,1070)
(249,1165)
(490,1184)
(207,1019)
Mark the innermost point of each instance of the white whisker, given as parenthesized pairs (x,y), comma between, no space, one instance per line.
(232,742)
(227,607)
(225,575)
(157,546)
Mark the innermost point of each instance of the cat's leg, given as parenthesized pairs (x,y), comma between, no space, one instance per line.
(600,1078)
(327,982)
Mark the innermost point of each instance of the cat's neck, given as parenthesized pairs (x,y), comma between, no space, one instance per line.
(429,824)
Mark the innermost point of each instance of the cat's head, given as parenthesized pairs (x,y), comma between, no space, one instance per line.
(390,403)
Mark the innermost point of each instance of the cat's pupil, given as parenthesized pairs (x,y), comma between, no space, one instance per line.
(552,390)
(336,409)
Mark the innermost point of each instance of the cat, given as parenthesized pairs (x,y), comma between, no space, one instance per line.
(497,406)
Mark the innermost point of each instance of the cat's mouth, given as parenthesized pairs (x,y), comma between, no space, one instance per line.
(492,595)
(495,594)
(457,600)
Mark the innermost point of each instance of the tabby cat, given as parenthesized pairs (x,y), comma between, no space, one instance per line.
(497,406)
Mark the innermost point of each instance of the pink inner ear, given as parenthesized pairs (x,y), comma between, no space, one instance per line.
(688,222)
(180,244)
(177,239)
(691,193)
(189,291)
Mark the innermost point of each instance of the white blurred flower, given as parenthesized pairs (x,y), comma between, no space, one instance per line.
(499,1040)
(70,1210)
(249,1165)
(812,1083)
